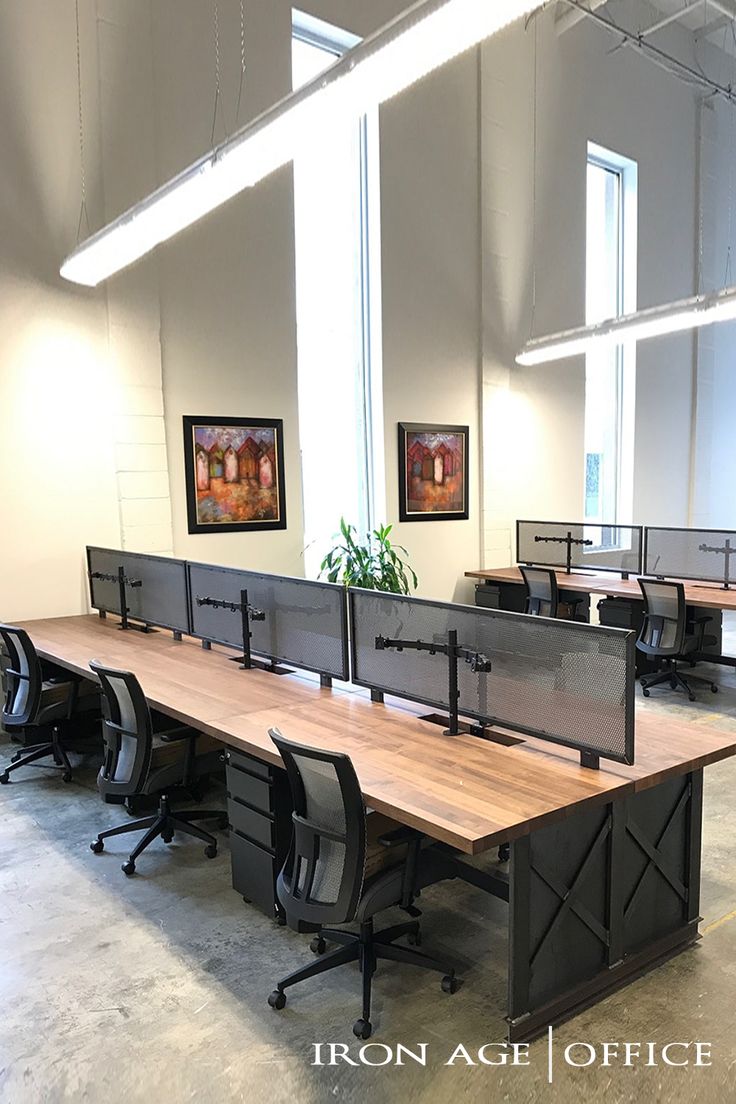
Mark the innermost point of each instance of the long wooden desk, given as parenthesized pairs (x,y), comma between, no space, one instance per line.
(605,865)
(611,584)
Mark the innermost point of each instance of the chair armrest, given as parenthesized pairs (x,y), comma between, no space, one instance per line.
(400,836)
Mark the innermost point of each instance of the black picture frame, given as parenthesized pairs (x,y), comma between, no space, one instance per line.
(419,428)
(257,525)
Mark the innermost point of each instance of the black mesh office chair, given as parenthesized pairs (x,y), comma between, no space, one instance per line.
(142,757)
(41,698)
(323,880)
(667,636)
(542,594)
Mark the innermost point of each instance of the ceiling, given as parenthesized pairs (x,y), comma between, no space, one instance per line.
(709,20)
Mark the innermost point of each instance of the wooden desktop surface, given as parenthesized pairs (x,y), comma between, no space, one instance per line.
(468,792)
(696,594)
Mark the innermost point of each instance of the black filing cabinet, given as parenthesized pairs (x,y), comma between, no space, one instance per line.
(259,810)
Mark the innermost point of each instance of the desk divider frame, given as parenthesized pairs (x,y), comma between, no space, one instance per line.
(589,754)
(571,526)
(725,579)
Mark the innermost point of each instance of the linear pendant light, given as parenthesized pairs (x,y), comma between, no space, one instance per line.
(420,40)
(685,314)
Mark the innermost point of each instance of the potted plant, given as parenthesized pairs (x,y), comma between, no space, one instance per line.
(375,563)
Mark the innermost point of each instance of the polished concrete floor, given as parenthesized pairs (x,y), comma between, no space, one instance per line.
(154,988)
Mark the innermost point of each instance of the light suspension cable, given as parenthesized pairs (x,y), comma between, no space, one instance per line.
(428,35)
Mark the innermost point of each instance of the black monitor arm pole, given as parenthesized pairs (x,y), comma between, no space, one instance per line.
(727,552)
(569,540)
(454,652)
(122,580)
(247,613)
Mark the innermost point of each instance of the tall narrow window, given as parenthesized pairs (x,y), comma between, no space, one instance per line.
(609,374)
(337,246)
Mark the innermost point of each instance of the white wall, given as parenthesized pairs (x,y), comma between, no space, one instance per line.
(534,417)
(228,327)
(714,455)
(57,385)
(207,326)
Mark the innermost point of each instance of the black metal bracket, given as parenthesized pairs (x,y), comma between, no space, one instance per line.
(247,613)
(727,552)
(590,759)
(122,581)
(377,696)
(479,664)
(569,540)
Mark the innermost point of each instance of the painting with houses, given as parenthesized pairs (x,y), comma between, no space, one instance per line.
(235,477)
(434,471)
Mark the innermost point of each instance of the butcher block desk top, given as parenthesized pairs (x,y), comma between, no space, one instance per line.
(468,792)
(696,594)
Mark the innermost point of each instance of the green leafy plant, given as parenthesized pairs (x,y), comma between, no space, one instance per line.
(375,563)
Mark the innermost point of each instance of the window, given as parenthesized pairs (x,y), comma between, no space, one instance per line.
(337,244)
(609,374)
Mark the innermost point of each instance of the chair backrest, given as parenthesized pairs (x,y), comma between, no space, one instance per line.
(127,732)
(542,598)
(322,878)
(23,678)
(665,613)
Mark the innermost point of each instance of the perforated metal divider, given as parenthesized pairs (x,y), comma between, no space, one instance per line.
(305,623)
(613,548)
(676,553)
(562,681)
(161,599)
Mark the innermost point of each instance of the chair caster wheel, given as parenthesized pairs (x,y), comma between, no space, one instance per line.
(168,837)
(691,697)
(414,939)
(713,688)
(450,984)
(4,779)
(504,852)
(277,1000)
(318,945)
(211,850)
(97,846)
(66,776)
(645,692)
(128,867)
(16,757)
(281,921)
(362,1029)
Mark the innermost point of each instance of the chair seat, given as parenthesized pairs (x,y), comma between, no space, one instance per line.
(55,694)
(168,760)
(385,890)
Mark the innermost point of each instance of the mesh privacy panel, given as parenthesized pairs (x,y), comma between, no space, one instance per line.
(679,553)
(160,600)
(563,681)
(613,547)
(305,624)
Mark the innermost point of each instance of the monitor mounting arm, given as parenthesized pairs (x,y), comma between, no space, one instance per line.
(569,540)
(727,552)
(123,581)
(478,662)
(247,613)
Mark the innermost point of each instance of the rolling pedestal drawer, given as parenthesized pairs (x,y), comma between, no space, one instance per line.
(259,811)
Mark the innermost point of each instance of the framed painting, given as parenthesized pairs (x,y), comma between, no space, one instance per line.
(433,472)
(234,474)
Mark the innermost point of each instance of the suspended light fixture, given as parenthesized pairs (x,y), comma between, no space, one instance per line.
(686,314)
(428,35)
